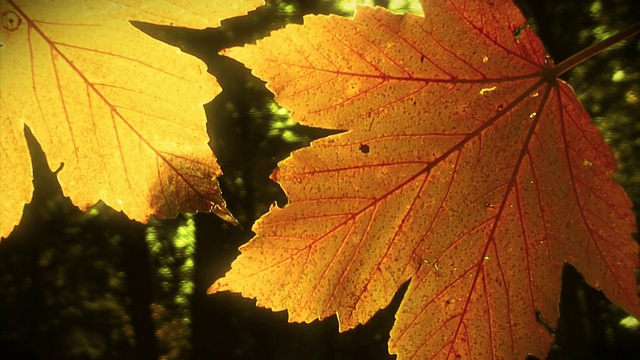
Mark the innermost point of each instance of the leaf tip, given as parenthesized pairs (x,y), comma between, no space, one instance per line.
(274,174)
(223,213)
(216,287)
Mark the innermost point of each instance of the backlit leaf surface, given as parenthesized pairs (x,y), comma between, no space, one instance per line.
(120,109)
(465,167)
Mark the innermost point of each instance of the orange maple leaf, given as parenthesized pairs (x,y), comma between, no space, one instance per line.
(121,110)
(466,167)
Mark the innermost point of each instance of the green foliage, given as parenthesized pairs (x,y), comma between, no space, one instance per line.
(64,273)
(172,246)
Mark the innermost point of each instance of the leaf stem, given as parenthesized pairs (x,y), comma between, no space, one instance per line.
(595,49)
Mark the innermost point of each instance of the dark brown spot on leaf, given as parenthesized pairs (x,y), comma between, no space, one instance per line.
(10,20)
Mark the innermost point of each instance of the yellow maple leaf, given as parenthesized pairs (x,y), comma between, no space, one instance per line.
(459,169)
(120,109)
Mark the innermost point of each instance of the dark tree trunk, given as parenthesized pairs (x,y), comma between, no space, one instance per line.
(140,288)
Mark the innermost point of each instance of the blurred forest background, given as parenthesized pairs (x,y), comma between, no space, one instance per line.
(96,285)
